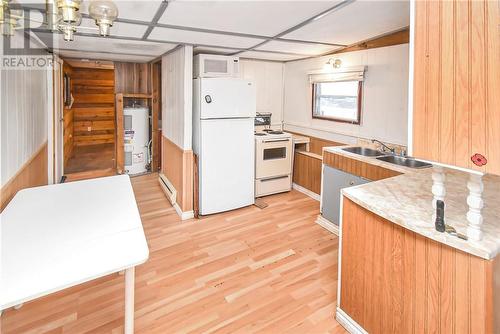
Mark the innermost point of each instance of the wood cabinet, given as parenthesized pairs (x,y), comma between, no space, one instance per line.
(456,100)
(393,280)
(356,167)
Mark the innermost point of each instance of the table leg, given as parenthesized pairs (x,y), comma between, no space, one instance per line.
(129,300)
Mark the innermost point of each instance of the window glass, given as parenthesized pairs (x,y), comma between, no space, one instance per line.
(338,101)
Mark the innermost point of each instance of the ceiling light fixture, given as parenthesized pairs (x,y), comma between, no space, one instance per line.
(68,29)
(104,13)
(334,63)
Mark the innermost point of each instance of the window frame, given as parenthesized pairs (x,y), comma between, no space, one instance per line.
(334,119)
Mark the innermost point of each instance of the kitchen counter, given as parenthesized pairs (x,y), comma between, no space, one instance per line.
(406,200)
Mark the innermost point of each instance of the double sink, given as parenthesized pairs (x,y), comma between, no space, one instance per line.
(393,159)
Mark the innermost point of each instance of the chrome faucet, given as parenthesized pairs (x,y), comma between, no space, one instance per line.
(384,146)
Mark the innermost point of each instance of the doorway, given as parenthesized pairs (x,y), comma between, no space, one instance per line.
(89,118)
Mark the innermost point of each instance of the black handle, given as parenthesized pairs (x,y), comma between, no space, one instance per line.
(440,225)
(208,99)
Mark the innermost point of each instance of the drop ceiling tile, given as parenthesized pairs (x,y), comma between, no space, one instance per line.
(219,51)
(118,29)
(96,44)
(104,56)
(269,56)
(141,10)
(298,48)
(266,18)
(202,38)
(358,21)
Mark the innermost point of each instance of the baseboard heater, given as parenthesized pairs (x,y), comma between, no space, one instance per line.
(168,188)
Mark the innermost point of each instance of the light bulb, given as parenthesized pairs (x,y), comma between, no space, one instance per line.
(104,13)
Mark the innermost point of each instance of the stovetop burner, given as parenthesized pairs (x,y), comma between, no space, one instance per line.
(268,130)
(276,132)
(260,134)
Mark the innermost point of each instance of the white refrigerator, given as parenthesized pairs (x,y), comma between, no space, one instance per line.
(223,139)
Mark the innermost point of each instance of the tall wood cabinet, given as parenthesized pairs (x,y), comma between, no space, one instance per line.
(456,97)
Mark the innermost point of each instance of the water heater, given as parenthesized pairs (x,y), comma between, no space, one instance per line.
(136,126)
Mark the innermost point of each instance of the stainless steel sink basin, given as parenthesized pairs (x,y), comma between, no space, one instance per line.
(402,161)
(367,152)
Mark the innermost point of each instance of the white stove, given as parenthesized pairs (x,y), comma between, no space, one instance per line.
(273,162)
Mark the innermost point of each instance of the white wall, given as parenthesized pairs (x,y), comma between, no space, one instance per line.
(268,79)
(177,91)
(385,97)
(24,110)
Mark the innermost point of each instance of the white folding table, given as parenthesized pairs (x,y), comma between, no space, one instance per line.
(57,236)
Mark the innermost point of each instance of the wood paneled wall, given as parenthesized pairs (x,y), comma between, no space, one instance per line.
(33,173)
(156,113)
(356,167)
(132,78)
(396,281)
(68,115)
(94,106)
(177,166)
(456,82)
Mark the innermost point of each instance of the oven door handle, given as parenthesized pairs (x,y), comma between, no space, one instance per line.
(275,140)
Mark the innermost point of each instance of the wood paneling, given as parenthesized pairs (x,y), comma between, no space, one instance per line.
(307,171)
(94,106)
(120,140)
(68,116)
(132,78)
(33,173)
(90,158)
(356,167)
(177,165)
(156,112)
(396,281)
(456,82)
(247,270)
(99,64)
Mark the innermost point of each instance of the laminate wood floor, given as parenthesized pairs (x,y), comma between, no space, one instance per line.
(246,271)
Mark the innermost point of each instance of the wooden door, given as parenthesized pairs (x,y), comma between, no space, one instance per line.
(456,109)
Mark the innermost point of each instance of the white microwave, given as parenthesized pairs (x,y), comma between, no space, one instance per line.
(215,66)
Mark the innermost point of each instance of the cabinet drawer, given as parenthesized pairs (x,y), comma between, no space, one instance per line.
(272,185)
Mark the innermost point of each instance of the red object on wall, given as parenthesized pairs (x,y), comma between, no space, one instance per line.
(479,160)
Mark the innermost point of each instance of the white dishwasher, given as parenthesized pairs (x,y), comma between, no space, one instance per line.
(333,182)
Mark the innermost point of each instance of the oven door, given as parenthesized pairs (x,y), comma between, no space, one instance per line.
(273,157)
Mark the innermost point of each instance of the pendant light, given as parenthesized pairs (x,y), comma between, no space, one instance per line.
(104,13)
(69,29)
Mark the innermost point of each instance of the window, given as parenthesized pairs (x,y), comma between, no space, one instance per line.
(337,101)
